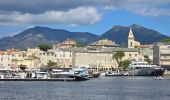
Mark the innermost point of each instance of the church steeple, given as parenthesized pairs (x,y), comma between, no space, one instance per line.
(130,36)
(131,40)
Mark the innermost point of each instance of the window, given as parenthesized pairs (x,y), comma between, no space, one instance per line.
(135,55)
(131,43)
(130,55)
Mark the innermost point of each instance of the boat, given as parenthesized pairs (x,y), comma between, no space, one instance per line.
(38,75)
(80,74)
(117,73)
(142,68)
(159,78)
(92,73)
(58,73)
(77,73)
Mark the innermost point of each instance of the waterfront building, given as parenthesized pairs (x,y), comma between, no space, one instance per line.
(161,55)
(61,56)
(5,60)
(45,57)
(101,58)
(64,57)
(25,59)
(65,44)
(146,51)
(131,40)
(103,43)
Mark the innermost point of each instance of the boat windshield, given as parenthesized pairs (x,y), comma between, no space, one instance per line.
(141,63)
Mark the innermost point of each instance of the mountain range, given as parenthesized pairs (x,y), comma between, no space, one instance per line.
(37,35)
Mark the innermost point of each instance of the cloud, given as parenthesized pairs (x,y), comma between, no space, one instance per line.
(148,7)
(78,16)
(74,12)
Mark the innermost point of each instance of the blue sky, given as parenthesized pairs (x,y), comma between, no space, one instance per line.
(95,16)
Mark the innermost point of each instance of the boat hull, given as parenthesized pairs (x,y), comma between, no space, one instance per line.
(114,74)
(147,72)
(79,78)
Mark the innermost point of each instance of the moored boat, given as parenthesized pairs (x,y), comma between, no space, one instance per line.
(141,68)
(114,73)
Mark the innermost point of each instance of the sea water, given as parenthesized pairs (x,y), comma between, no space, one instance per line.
(103,88)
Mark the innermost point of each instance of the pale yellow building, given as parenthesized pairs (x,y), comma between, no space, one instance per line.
(65,44)
(102,58)
(26,59)
(61,56)
(103,43)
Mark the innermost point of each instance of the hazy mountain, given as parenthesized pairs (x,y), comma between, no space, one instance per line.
(37,35)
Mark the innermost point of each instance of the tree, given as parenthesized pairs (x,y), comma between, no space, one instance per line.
(50,65)
(126,63)
(147,59)
(165,40)
(80,45)
(118,57)
(44,47)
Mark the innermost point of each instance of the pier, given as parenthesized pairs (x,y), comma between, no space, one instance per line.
(35,79)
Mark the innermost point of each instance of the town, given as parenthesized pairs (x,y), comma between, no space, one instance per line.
(99,56)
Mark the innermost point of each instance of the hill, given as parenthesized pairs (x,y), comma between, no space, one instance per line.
(34,36)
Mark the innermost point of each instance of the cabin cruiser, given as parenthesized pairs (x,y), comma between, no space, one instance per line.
(58,73)
(79,73)
(38,74)
(141,68)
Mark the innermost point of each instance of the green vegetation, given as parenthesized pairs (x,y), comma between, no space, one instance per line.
(118,57)
(165,40)
(44,47)
(126,63)
(51,64)
(146,58)
(80,45)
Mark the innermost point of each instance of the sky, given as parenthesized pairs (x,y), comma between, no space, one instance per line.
(95,16)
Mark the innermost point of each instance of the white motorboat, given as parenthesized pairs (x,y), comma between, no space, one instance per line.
(141,68)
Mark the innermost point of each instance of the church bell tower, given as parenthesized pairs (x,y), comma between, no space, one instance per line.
(131,41)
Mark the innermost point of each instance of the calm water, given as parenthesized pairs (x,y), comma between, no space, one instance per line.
(108,88)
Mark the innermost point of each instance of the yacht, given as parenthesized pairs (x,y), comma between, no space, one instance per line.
(141,68)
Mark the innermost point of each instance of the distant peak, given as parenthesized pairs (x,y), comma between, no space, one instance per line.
(118,27)
(136,26)
(39,27)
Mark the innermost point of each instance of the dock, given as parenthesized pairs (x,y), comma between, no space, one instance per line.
(36,79)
